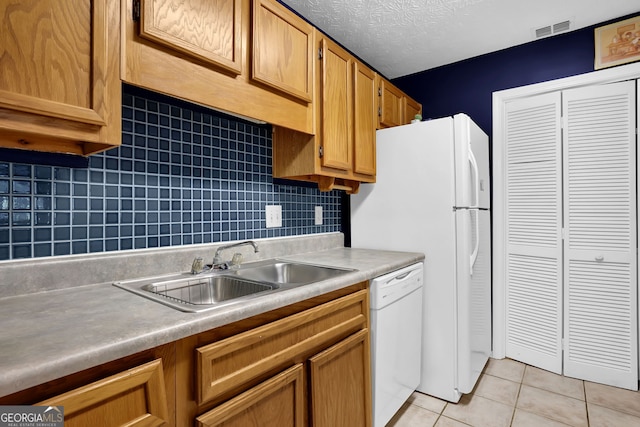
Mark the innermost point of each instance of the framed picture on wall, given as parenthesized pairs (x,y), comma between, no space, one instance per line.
(617,43)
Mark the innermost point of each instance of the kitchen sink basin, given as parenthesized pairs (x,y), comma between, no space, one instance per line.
(195,293)
(289,273)
(206,290)
(217,288)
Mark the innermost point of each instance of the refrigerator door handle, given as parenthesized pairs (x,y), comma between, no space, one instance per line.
(475,179)
(476,247)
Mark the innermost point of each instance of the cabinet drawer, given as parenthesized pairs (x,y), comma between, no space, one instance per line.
(246,358)
(279,401)
(135,397)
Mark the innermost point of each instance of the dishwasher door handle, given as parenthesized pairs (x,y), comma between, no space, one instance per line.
(402,276)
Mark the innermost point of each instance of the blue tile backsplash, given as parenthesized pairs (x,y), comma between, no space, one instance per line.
(183,175)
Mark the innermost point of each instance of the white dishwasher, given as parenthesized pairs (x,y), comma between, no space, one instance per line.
(396,339)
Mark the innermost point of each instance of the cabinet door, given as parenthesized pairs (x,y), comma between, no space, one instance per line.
(600,267)
(201,52)
(208,30)
(341,383)
(391,105)
(60,87)
(228,365)
(335,106)
(411,108)
(364,119)
(277,402)
(135,397)
(282,49)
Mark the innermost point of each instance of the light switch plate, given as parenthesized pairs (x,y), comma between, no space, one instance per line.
(274,216)
(318,215)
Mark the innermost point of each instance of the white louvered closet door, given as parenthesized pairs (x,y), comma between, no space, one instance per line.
(533,230)
(600,283)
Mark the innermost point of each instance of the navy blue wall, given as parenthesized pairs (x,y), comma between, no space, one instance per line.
(467,86)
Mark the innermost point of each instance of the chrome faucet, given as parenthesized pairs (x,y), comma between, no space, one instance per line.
(217,260)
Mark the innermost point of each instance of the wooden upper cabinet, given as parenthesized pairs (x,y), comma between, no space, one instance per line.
(391,105)
(208,30)
(395,108)
(335,109)
(203,51)
(364,120)
(341,153)
(60,88)
(411,108)
(282,50)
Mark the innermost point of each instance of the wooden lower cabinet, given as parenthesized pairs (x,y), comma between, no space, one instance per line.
(280,401)
(340,378)
(137,390)
(338,381)
(135,397)
(311,367)
(304,364)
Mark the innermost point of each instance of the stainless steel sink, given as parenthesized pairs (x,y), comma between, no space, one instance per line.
(206,290)
(218,288)
(190,293)
(290,273)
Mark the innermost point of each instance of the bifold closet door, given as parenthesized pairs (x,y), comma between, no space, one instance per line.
(534,232)
(600,267)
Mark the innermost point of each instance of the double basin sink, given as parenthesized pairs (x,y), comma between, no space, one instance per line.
(216,288)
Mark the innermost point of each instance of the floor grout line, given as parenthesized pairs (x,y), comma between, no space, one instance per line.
(515,404)
(550,391)
(586,403)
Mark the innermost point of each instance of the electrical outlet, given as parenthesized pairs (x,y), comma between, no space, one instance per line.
(273,215)
(318,215)
(277,216)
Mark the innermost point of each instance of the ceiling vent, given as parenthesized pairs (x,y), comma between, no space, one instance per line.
(551,30)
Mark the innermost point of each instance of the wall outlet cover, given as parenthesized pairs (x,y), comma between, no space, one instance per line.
(273,215)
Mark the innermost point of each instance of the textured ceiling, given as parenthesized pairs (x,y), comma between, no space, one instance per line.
(400,37)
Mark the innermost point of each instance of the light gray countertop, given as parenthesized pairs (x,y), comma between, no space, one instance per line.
(54,333)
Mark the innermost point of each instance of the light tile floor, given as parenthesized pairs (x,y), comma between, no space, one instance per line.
(510,393)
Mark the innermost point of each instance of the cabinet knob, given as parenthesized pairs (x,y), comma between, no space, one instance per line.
(600,258)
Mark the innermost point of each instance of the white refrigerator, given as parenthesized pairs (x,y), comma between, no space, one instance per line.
(432,196)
